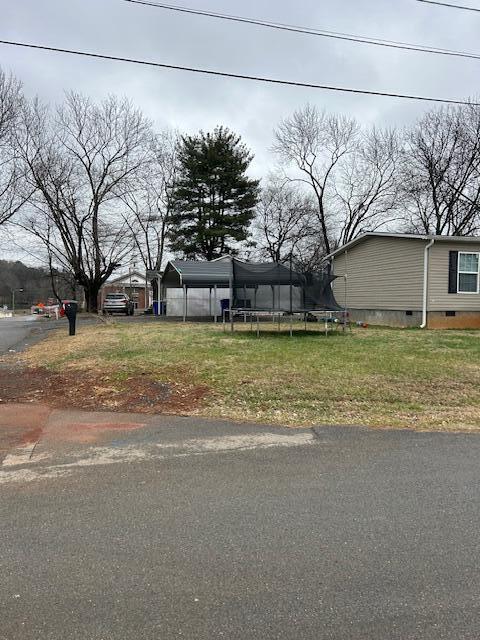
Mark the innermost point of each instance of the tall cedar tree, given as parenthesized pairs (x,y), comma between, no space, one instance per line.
(214,199)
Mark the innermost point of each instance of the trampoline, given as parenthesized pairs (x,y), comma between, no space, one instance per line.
(271,290)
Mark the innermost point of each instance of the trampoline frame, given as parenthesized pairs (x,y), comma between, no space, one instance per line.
(328,318)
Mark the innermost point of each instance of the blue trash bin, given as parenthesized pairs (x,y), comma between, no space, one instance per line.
(225,306)
(155,307)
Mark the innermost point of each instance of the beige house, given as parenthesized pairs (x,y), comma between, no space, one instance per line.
(409,280)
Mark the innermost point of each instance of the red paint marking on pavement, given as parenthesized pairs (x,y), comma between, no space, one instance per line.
(31,436)
(125,426)
(24,416)
(88,432)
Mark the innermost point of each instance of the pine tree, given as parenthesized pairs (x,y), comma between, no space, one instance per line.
(214,199)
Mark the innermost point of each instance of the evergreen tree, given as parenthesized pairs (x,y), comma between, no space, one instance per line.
(214,199)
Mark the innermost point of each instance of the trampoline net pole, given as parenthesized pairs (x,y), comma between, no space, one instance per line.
(245,303)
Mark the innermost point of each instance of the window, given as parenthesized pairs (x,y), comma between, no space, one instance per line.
(468,272)
(115,296)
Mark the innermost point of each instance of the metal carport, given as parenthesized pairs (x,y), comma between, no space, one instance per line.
(192,274)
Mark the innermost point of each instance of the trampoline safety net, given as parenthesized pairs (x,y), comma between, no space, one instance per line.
(275,287)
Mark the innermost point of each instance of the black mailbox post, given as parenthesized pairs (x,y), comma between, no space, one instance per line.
(71,308)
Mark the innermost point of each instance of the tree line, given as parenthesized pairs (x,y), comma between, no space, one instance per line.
(88,183)
(32,284)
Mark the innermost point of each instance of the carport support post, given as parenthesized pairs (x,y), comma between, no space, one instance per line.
(210,301)
(184,303)
(215,301)
(159,281)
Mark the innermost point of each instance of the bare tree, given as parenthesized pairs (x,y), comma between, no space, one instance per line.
(149,200)
(283,221)
(442,172)
(367,186)
(12,193)
(315,143)
(80,160)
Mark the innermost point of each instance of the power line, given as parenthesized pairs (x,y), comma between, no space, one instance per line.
(225,74)
(450,6)
(405,46)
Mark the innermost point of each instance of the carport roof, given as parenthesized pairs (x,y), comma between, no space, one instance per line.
(196,273)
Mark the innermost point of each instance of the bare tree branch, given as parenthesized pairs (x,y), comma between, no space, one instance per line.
(441,171)
(283,223)
(367,187)
(148,200)
(12,193)
(315,143)
(78,160)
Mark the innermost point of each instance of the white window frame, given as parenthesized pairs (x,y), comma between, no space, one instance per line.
(477,273)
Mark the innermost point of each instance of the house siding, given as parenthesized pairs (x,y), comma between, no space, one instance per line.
(382,273)
(438,297)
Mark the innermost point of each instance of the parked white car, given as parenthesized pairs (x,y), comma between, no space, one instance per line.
(118,303)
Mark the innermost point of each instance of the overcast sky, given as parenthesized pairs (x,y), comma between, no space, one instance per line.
(191,102)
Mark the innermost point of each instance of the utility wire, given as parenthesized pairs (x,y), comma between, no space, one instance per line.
(224,74)
(405,46)
(450,6)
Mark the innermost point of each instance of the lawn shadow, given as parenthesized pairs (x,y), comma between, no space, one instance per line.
(284,332)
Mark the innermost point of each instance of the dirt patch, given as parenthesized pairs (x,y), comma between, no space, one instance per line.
(91,390)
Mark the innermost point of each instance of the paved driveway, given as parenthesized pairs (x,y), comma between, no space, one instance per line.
(119,527)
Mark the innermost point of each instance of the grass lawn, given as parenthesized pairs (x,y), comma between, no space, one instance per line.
(376,376)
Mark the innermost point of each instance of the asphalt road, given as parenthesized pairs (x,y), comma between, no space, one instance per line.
(177,530)
(14,332)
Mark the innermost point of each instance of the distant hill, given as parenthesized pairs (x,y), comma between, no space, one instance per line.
(35,282)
